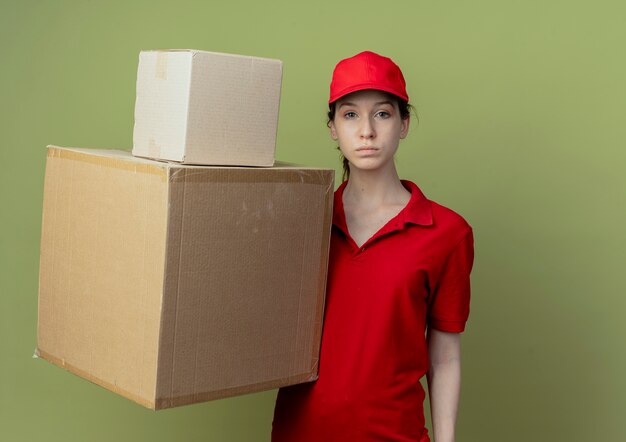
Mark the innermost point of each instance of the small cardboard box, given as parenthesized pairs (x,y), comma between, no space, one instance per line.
(172,284)
(198,107)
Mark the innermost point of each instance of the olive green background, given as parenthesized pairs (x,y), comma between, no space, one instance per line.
(521,129)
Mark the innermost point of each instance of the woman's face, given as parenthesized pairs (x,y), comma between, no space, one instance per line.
(368,127)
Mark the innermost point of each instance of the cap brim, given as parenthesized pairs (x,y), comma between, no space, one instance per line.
(364,86)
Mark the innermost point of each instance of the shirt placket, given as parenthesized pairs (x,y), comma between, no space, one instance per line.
(395,224)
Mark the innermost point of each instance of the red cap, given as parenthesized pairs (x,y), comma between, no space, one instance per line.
(367,70)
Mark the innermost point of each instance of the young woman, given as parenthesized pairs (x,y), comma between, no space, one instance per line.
(398,283)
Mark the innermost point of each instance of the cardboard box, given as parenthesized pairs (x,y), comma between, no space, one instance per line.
(198,107)
(172,284)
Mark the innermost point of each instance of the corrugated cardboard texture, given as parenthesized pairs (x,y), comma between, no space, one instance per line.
(230,298)
(101,268)
(198,107)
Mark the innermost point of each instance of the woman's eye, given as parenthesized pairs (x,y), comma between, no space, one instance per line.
(350,114)
(383,114)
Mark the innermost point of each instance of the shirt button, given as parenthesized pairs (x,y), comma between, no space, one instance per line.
(362,249)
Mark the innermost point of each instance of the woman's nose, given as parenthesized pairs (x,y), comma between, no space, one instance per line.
(367,129)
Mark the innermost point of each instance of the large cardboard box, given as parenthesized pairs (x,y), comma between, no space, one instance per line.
(198,107)
(172,284)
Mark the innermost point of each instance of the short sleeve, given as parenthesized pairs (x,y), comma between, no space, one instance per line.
(449,303)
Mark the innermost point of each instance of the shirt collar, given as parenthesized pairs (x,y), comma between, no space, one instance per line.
(417,211)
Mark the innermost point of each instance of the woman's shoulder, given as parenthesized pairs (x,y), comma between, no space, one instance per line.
(446,216)
(451,232)
(449,223)
(441,215)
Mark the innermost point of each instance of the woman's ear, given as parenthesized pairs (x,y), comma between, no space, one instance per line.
(333,130)
(405,127)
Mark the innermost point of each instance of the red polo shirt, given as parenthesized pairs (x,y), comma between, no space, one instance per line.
(412,274)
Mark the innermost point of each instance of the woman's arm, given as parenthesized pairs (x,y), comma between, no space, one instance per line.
(444,382)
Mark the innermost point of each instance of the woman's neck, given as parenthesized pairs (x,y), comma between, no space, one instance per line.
(375,187)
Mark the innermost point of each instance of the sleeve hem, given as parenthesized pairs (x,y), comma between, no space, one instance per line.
(447,326)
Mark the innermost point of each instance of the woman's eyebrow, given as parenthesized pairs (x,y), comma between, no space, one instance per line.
(379,103)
